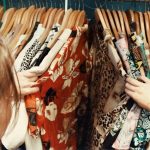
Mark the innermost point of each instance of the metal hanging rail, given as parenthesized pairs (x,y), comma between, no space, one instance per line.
(66,5)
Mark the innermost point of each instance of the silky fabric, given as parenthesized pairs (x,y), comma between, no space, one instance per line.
(62,88)
(134,65)
(106,73)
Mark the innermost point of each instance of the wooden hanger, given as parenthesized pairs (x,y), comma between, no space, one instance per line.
(21,12)
(99,17)
(80,19)
(121,22)
(25,21)
(10,24)
(1,12)
(127,27)
(105,18)
(15,21)
(60,17)
(46,17)
(31,23)
(137,21)
(43,16)
(51,18)
(49,25)
(16,15)
(63,26)
(35,17)
(147,27)
(130,15)
(7,17)
(56,16)
(114,30)
(74,22)
(72,19)
(42,11)
(116,21)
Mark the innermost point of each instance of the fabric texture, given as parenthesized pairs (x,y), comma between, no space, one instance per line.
(106,70)
(52,112)
(18,60)
(50,36)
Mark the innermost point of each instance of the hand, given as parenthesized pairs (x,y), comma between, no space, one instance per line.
(27,83)
(139,91)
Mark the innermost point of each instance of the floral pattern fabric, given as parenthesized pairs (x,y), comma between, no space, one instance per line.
(52,111)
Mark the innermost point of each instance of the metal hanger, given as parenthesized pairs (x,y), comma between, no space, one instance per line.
(83,6)
(46,3)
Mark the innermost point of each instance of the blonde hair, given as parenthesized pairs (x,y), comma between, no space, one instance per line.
(8,89)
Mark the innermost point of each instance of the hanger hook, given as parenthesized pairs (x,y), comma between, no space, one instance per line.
(74,4)
(11,3)
(83,7)
(118,5)
(112,5)
(46,3)
(79,5)
(40,4)
(61,4)
(145,5)
(96,4)
(51,3)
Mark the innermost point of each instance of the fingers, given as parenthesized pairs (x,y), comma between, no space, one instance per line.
(134,82)
(129,92)
(29,74)
(132,94)
(29,84)
(130,87)
(27,91)
(144,79)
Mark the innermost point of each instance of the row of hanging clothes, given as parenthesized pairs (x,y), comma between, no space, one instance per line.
(51,43)
(120,42)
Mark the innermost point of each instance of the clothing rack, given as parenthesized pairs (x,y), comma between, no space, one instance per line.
(89,6)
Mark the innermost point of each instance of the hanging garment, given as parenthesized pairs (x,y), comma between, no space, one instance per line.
(138,141)
(22,42)
(122,117)
(125,136)
(48,56)
(105,76)
(37,59)
(21,55)
(12,33)
(13,138)
(64,85)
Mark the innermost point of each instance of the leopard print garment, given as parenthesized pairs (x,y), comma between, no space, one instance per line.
(29,55)
(105,77)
